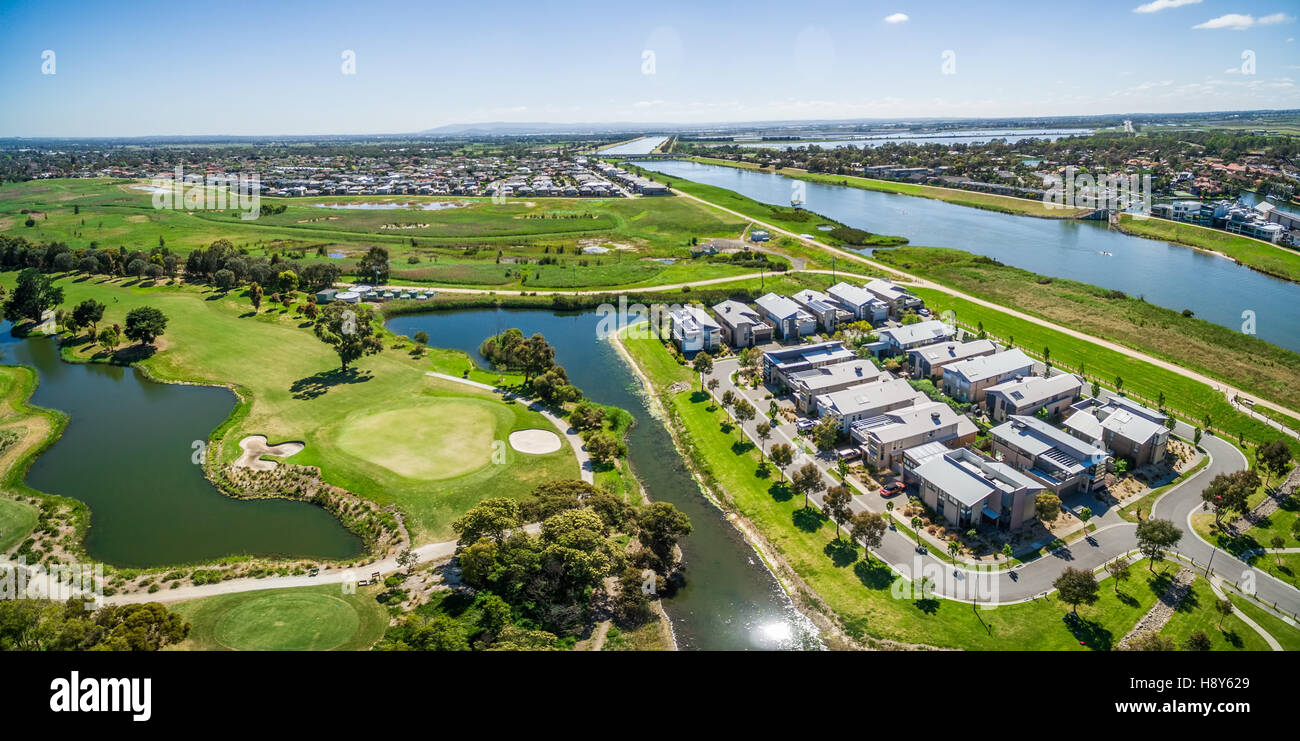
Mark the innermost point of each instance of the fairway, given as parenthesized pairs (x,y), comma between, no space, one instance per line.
(443,439)
(304,619)
(16,521)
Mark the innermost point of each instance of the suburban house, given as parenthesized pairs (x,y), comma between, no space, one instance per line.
(868,400)
(1062,462)
(899,340)
(1027,394)
(790,320)
(1124,427)
(967,380)
(827,311)
(883,439)
(807,385)
(928,361)
(694,330)
(914,458)
(742,326)
(897,299)
(780,365)
(972,491)
(862,303)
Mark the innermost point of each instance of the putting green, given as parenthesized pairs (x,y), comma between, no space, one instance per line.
(440,439)
(316,618)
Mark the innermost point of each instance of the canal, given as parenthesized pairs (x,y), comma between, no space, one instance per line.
(1216,289)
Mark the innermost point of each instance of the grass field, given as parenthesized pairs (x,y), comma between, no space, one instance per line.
(1286,635)
(16,521)
(298,393)
(1197,613)
(1267,258)
(857,591)
(300,619)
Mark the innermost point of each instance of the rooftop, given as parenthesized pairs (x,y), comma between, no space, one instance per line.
(952,351)
(1032,389)
(990,366)
(932,330)
(834,375)
(969,477)
(869,396)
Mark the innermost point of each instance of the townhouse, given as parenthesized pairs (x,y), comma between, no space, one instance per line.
(884,438)
(827,311)
(1123,427)
(860,302)
(1028,394)
(899,340)
(928,361)
(780,365)
(694,330)
(868,400)
(896,298)
(807,385)
(972,491)
(742,325)
(1061,462)
(790,319)
(967,380)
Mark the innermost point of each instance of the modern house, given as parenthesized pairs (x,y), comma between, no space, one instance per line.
(884,438)
(914,458)
(1027,394)
(1125,428)
(867,400)
(862,303)
(896,298)
(790,319)
(1063,463)
(967,380)
(899,340)
(742,326)
(780,365)
(807,385)
(827,310)
(694,330)
(928,361)
(972,491)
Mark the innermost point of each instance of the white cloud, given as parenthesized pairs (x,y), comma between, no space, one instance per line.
(896,18)
(1232,71)
(1239,22)
(1159,5)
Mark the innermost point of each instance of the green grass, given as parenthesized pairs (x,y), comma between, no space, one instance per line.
(16,522)
(1267,258)
(858,592)
(1197,612)
(1286,635)
(319,618)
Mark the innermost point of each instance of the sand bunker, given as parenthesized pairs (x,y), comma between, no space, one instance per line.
(536,442)
(254,447)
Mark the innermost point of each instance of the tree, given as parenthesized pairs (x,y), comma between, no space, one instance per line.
(826,433)
(349,329)
(703,365)
(782,455)
(917,522)
(587,416)
(287,281)
(108,338)
(712,386)
(1155,537)
(953,549)
(1230,492)
(88,313)
(836,505)
(224,279)
(553,386)
(1277,541)
(807,480)
(33,295)
(374,265)
(1196,436)
(868,528)
(1076,587)
(1096,389)
(1224,608)
(601,446)
(1197,641)
(763,431)
(407,559)
(255,295)
(144,324)
(1274,457)
(662,525)
(744,412)
(490,518)
(1007,551)
(1119,570)
(1047,506)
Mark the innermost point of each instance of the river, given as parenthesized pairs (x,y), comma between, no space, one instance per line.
(1216,289)
(731,601)
(127,453)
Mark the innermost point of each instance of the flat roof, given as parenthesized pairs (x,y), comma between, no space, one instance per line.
(869,396)
(831,375)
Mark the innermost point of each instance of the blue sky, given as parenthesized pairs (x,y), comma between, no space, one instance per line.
(229,67)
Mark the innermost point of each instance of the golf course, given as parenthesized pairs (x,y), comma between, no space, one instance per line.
(303,619)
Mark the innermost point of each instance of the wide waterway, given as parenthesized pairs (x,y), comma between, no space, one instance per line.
(128,452)
(731,601)
(1216,289)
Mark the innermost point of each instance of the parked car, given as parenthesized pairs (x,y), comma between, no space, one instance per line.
(892,490)
(804,425)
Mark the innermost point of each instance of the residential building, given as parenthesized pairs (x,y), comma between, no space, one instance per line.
(827,310)
(862,303)
(972,491)
(967,380)
(742,326)
(780,365)
(899,340)
(1028,394)
(928,361)
(790,320)
(898,299)
(867,400)
(694,330)
(1124,427)
(1062,462)
(807,385)
(914,458)
(884,438)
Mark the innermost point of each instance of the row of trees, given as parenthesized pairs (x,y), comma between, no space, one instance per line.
(35,293)
(535,358)
(45,625)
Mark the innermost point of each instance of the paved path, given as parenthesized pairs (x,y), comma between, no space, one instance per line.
(1243,617)
(570,434)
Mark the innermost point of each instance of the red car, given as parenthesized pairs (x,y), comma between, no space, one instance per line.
(892,490)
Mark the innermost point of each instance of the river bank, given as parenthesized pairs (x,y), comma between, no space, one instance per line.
(1269,259)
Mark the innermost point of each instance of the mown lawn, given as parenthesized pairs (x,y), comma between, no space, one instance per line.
(1286,635)
(1197,612)
(320,618)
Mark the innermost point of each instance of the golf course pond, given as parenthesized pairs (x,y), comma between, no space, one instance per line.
(129,452)
(731,600)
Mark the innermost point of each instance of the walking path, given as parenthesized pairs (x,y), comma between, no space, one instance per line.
(1243,617)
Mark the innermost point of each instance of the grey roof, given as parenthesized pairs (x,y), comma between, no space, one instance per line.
(904,423)
(885,289)
(1033,389)
(816,300)
(778,306)
(737,314)
(869,396)
(851,294)
(989,366)
(969,477)
(1039,439)
(953,351)
(931,330)
(693,317)
(832,375)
